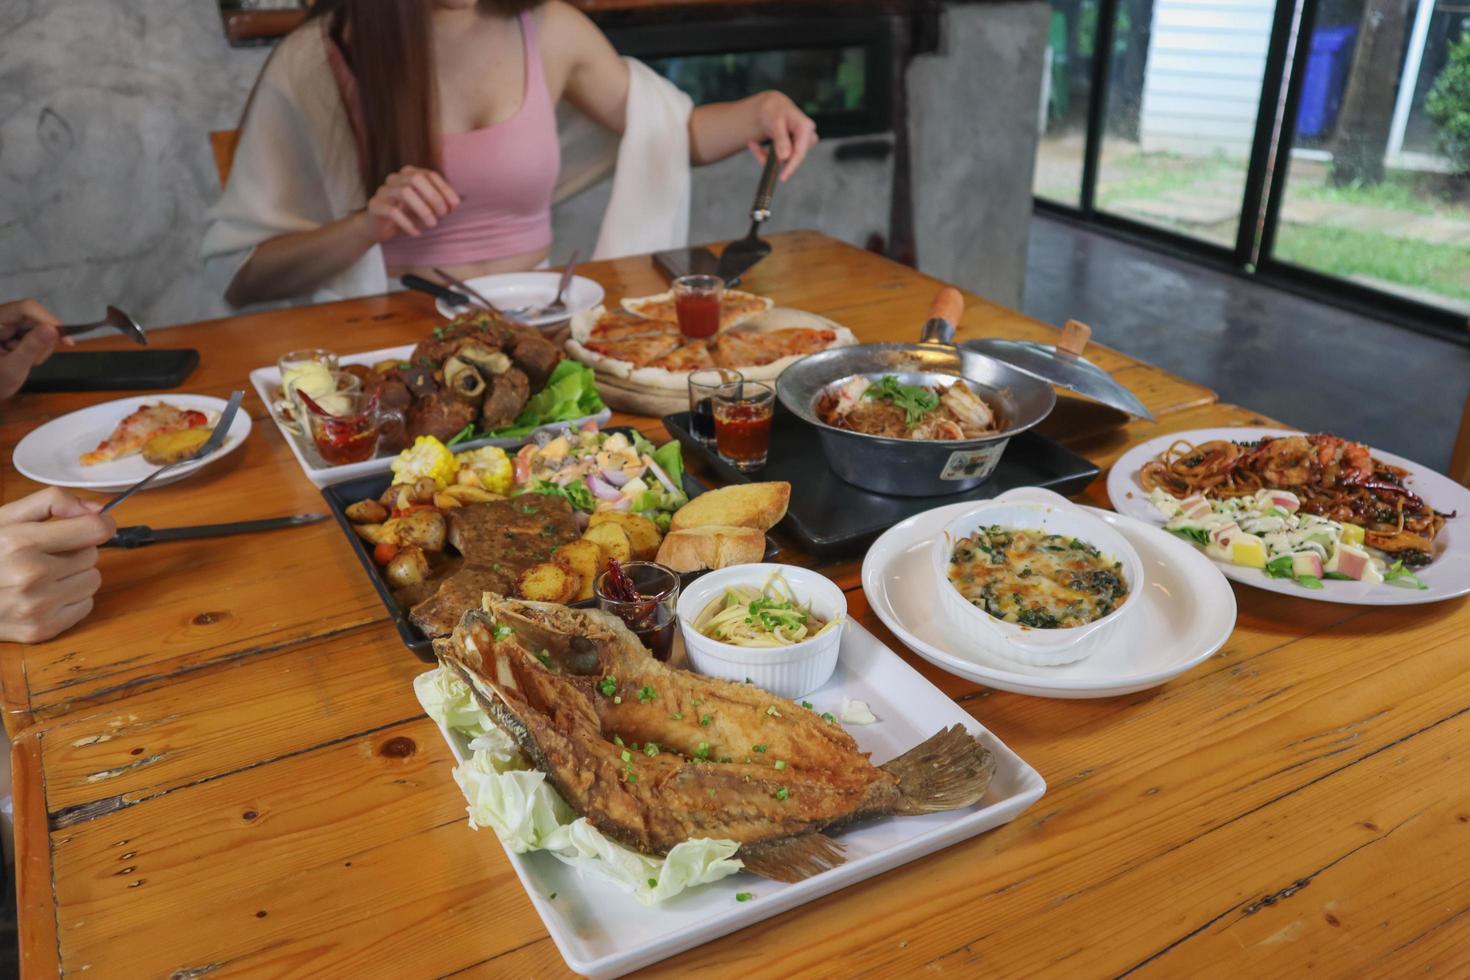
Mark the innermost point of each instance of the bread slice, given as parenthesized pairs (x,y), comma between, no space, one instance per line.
(714,546)
(759,505)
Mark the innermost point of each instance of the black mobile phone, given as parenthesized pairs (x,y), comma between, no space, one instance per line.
(678,262)
(112,370)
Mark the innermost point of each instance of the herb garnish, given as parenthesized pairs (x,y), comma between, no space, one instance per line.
(913,399)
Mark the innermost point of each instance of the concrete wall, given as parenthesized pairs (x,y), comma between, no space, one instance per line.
(105,169)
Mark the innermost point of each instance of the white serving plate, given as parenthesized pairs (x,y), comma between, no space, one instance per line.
(51,454)
(1448,576)
(267,380)
(1185,613)
(511,289)
(602,932)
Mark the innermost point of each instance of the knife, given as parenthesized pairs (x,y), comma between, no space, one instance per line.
(739,256)
(435,290)
(141,534)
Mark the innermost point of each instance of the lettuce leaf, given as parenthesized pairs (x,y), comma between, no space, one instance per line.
(504,794)
(576,493)
(570,393)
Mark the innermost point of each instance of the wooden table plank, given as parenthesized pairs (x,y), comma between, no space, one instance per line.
(1289,805)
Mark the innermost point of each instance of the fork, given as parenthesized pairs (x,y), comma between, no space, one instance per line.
(513,313)
(216,439)
(559,303)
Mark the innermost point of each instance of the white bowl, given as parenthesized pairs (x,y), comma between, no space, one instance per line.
(788,671)
(1032,508)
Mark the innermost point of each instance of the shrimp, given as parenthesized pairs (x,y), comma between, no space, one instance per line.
(967,406)
(849,395)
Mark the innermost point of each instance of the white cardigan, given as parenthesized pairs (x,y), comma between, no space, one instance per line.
(296,168)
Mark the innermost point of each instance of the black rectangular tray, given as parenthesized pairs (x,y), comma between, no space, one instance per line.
(831,517)
(340,496)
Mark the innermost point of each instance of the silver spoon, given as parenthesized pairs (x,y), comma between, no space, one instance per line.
(216,439)
(117,320)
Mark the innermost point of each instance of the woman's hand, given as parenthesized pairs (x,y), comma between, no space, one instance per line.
(410,201)
(28,334)
(791,131)
(48,564)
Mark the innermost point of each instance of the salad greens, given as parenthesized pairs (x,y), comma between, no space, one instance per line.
(515,801)
(570,393)
(913,399)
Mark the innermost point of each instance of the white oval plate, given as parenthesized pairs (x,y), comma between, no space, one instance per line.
(511,289)
(1447,576)
(52,453)
(1186,613)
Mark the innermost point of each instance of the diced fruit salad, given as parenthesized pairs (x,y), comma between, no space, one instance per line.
(593,470)
(1268,531)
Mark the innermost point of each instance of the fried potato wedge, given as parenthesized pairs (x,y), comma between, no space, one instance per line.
(613,541)
(548,582)
(584,558)
(643,535)
(171,447)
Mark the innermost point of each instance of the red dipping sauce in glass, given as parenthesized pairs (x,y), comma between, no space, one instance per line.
(743,431)
(349,439)
(699,314)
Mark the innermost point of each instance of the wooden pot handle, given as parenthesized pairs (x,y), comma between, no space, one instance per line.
(1075,335)
(948,305)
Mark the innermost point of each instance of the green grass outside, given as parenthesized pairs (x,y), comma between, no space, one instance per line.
(1397,192)
(1443,269)
(1147,176)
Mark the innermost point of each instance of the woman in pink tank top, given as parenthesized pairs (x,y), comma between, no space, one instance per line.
(452,104)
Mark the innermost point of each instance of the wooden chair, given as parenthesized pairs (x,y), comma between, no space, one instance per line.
(223,143)
(1460,458)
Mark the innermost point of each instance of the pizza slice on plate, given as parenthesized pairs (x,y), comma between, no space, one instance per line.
(617,324)
(741,349)
(797,341)
(693,356)
(143,424)
(638,351)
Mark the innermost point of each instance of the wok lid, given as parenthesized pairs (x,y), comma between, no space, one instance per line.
(1063,365)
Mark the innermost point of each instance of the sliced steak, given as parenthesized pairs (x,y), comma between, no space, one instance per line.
(515,533)
(439,614)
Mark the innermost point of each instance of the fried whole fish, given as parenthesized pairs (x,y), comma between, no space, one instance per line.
(653,755)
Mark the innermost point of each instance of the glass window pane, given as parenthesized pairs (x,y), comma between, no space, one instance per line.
(1065,95)
(1372,194)
(1186,84)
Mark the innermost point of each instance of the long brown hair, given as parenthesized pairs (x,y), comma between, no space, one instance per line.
(387,46)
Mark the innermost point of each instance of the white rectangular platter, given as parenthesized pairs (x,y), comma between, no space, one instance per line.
(267,380)
(603,932)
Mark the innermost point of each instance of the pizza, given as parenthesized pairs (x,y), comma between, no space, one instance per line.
(638,351)
(648,352)
(145,422)
(618,324)
(693,356)
(735,307)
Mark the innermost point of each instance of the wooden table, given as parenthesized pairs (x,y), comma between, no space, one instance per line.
(225,769)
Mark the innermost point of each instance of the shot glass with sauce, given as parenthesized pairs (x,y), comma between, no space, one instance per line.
(644,595)
(697,304)
(703,387)
(743,424)
(349,431)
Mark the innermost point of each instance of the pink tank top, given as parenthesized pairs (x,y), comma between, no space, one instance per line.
(504,175)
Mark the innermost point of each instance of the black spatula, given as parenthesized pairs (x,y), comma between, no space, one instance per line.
(740,255)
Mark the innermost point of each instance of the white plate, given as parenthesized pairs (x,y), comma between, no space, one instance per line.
(1185,613)
(511,289)
(602,932)
(51,454)
(1447,576)
(267,381)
